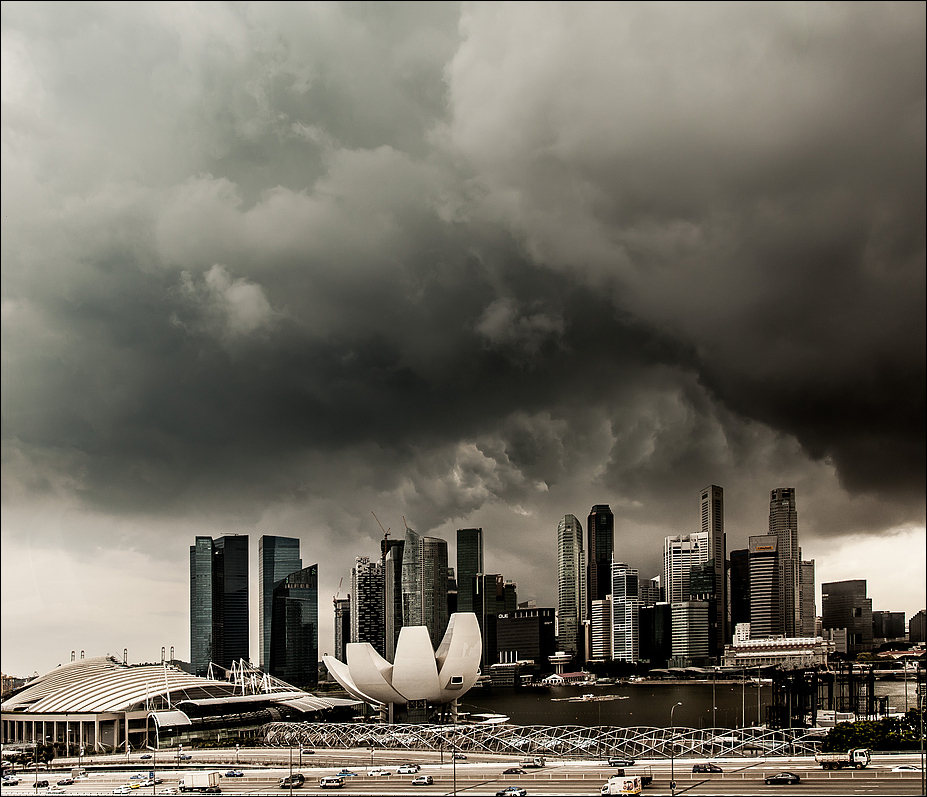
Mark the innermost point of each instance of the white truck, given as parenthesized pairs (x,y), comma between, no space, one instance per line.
(623,784)
(534,763)
(858,758)
(201,781)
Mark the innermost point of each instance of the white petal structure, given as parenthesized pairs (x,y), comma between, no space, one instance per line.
(417,672)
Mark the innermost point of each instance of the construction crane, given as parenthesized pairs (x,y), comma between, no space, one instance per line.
(385,531)
(337,592)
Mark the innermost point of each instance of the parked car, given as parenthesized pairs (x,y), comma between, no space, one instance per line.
(408,769)
(514,771)
(783,778)
(706,768)
(512,791)
(379,772)
(423,780)
(616,761)
(459,757)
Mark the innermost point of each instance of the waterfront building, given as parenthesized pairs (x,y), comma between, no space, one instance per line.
(277,558)
(294,633)
(711,508)
(367,615)
(887,626)
(680,554)
(492,596)
(527,635)
(783,523)
(808,608)
(392,594)
(601,628)
(765,619)
(625,612)
(655,634)
(600,547)
(218,602)
(469,563)
(342,608)
(844,605)
(571,586)
(917,628)
(787,653)
(690,634)
(739,586)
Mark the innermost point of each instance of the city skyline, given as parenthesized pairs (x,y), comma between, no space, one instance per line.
(267,268)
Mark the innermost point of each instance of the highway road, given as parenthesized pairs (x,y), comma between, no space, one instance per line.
(482,775)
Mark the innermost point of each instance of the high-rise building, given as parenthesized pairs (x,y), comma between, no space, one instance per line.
(218,601)
(277,558)
(601,629)
(680,554)
(600,545)
(625,588)
(917,628)
(571,585)
(783,523)
(527,634)
(367,615)
(765,619)
(452,593)
(808,607)
(888,625)
(650,591)
(492,596)
(294,632)
(712,524)
(412,579)
(656,639)
(740,587)
(844,605)
(469,563)
(690,633)
(342,626)
(433,584)
(392,594)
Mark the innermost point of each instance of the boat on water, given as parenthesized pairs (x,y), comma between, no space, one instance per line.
(488,719)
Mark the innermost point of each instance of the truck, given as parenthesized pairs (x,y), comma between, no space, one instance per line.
(858,758)
(201,781)
(534,763)
(623,784)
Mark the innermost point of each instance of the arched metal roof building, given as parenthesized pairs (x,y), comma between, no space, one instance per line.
(104,704)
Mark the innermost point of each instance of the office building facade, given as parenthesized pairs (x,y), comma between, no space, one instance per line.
(739,586)
(392,593)
(690,634)
(277,558)
(711,508)
(218,602)
(469,563)
(434,582)
(656,638)
(492,596)
(808,606)
(680,554)
(765,619)
(601,629)
(367,612)
(783,523)
(294,633)
(527,635)
(844,605)
(600,546)
(342,607)
(625,589)
(571,585)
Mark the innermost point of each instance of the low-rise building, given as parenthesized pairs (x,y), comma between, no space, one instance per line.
(789,653)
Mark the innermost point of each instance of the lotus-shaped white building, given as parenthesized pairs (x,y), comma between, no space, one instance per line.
(417,672)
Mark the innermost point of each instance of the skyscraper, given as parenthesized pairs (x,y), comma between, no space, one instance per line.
(412,579)
(392,593)
(712,524)
(277,558)
(342,608)
(783,523)
(690,633)
(806,599)
(844,605)
(434,587)
(740,587)
(680,554)
(625,613)
(294,632)
(600,545)
(469,563)
(367,603)
(601,629)
(571,585)
(765,618)
(218,601)
(492,596)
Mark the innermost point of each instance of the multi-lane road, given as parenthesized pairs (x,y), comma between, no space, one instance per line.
(263,768)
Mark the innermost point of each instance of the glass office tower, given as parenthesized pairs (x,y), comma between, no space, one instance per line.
(294,634)
(469,563)
(277,558)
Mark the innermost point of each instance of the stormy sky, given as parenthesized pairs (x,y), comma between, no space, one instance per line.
(267,268)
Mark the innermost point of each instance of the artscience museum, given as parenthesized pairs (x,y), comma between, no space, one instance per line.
(418,677)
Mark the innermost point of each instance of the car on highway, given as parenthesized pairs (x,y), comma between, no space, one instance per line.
(512,791)
(346,773)
(379,773)
(423,780)
(233,773)
(169,790)
(706,768)
(40,784)
(10,780)
(408,769)
(122,790)
(782,779)
(331,782)
(292,781)
(146,757)
(56,789)
(307,751)
(138,776)
(617,761)
(514,771)
(66,782)
(186,757)
(906,768)
(459,757)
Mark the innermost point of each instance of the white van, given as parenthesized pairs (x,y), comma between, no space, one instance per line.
(331,782)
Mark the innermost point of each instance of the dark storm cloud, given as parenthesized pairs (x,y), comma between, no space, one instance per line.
(464,265)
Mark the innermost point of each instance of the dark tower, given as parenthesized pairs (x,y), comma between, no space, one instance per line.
(600,545)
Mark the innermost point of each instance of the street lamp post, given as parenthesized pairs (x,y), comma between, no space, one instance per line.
(673,751)
(290,779)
